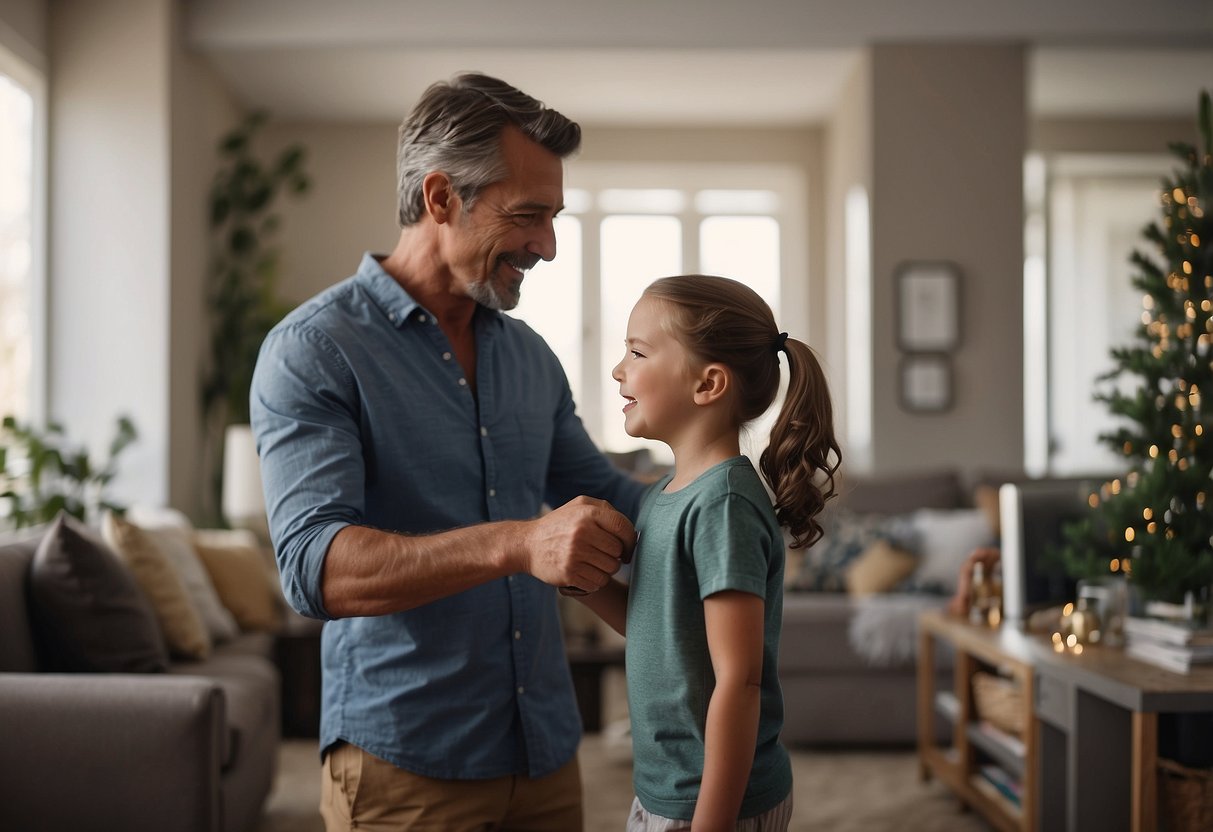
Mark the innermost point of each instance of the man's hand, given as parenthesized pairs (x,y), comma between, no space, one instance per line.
(579,545)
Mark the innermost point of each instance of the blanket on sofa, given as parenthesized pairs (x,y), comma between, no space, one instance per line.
(884,629)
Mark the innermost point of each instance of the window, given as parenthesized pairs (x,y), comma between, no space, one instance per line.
(623,227)
(21,234)
(1084,218)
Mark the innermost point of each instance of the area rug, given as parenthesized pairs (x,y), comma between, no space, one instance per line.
(839,791)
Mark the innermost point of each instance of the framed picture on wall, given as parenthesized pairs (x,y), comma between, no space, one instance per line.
(926,383)
(928,306)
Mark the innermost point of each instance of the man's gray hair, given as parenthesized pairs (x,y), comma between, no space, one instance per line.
(456,128)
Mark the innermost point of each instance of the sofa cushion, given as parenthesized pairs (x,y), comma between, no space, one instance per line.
(179,550)
(241,575)
(16,638)
(250,687)
(847,535)
(880,568)
(89,613)
(945,540)
(184,631)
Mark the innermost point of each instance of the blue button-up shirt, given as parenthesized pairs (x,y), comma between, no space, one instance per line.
(363,416)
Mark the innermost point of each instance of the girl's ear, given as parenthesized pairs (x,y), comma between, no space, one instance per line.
(715,381)
(438,197)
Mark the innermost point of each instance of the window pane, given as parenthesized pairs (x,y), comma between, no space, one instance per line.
(551,300)
(737,202)
(640,201)
(635,252)
(746,249)
(16,182)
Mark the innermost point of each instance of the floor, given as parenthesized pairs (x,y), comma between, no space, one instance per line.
(840,791)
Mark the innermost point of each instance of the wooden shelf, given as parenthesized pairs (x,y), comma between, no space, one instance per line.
(959,767)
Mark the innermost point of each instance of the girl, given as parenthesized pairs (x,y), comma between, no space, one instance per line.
(703,607)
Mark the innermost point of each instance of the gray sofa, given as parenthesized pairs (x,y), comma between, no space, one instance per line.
(191,749)
(832,694)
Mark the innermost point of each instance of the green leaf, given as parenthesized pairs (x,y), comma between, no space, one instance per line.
(243,240)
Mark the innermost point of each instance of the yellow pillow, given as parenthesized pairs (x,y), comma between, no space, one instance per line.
(183,629)
(879,568)
(242,579)
(985,497)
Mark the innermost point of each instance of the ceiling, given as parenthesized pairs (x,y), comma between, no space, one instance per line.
(688,62)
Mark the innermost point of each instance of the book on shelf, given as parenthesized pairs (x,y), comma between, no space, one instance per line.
(1013,744)
(1168,632)
(1006,785)
(1168,656)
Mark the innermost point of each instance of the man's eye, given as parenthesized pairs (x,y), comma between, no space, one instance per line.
(524,219)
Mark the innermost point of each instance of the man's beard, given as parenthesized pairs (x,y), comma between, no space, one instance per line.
(502,294)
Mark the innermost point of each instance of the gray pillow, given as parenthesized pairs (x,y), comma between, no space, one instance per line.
(88,613)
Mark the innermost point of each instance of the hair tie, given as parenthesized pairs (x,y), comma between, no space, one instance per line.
(780,341)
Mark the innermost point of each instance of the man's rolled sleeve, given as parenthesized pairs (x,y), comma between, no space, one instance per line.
(306,423)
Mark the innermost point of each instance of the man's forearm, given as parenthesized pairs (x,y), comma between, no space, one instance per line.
(373,572)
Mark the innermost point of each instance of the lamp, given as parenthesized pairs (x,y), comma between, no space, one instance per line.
(243,500)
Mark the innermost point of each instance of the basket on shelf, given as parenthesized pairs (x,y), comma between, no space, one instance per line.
(999,702)
(1185,796)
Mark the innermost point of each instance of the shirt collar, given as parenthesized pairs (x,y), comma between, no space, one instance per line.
(397,304)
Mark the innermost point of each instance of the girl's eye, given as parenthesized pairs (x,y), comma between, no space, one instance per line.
(636,354)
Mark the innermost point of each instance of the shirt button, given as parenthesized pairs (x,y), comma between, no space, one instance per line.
(492,492)
(484,431)
(463,382)
(392,317)
(422,318)
(446,356)
(521,690)
(517,634)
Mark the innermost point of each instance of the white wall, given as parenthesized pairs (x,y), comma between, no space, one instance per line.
(848,164)
(201,111)
(134,123)
(109,230)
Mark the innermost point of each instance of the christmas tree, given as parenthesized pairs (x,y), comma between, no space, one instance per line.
(1155,523)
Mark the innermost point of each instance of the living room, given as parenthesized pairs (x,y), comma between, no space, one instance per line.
(999,154)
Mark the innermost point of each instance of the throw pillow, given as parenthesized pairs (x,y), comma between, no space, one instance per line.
(175,544)
(183,628)
(243,581)
(946,539)
(846,536)
(880,568)
(985,497)
(88,610)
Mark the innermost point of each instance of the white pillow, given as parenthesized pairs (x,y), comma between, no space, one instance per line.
(945,539)
(175,543)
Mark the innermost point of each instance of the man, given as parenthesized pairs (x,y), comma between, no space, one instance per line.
(409,434)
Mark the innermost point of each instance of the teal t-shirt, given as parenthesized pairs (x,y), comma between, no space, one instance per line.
(718,533)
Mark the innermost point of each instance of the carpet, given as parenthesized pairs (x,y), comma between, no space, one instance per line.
(840,791)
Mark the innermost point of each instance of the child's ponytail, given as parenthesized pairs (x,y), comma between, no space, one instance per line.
(800,462)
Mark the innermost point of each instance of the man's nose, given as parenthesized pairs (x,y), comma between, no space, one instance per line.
(544,243)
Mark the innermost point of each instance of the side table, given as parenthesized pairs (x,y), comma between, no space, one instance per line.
(297,654)
(588,663)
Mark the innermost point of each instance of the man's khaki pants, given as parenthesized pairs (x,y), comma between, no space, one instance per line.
(360,791)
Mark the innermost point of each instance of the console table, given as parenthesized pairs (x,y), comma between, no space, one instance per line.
(1091,747)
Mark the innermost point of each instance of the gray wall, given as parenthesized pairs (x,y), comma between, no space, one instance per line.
(949,133)
(23,30)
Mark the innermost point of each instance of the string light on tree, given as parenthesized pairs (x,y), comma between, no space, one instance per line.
(1152,523)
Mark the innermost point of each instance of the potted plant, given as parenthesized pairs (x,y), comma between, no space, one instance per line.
(242,299)
(42,473)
